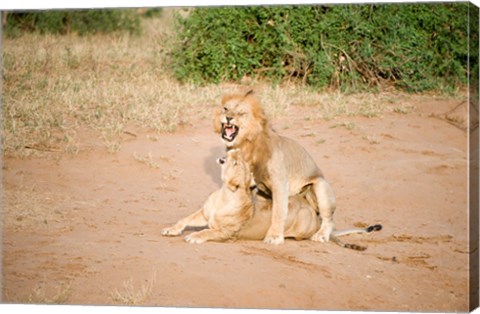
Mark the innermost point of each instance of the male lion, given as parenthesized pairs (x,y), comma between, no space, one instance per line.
(233,213)
(281,167)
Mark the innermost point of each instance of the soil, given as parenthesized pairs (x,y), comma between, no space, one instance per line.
(85,228)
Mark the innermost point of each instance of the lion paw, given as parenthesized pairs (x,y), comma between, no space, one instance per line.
(318,237)
(192,238)
(323,235)
(171,232)
(275,240)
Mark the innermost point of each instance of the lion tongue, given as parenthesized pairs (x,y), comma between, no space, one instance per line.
(229,131)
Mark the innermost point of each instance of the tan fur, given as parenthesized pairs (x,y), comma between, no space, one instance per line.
(301,222)
(281,167)
(233,212)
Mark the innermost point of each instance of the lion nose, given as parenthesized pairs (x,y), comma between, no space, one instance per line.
(229,119)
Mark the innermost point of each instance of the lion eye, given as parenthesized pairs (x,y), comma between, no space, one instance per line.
(225,108)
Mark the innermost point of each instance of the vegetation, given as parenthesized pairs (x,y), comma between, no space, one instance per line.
(58,87)
(69,93)
(73,21)
(414,47)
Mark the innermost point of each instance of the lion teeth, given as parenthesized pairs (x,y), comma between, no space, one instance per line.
(229,132)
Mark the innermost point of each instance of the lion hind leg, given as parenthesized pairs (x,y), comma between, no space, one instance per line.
(304,226)
(326,205)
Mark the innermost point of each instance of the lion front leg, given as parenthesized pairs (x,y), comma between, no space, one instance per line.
(275,234)
(197,219)
(208,235)
(326,204)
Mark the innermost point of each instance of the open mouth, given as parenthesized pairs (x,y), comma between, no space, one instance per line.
(229,131)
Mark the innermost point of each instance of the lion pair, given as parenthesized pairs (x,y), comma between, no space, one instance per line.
(272,188)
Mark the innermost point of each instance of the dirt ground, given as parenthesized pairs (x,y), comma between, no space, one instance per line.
(85,228)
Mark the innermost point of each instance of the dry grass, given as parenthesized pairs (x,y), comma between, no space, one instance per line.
(372,139)
(42,295)
(56,87)
(130,295)
(147,160)
(347,125)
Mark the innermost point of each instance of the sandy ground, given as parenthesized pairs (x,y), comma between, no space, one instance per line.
(85,229)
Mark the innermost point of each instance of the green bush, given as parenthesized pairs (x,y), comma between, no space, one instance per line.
(77,21)
(414,47)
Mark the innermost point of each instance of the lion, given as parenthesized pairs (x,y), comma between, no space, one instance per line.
(281,167)
(234,212)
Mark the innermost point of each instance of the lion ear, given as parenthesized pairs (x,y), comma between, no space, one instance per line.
(250,92)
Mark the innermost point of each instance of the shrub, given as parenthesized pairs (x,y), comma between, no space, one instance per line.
(414,47)
(77,21)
